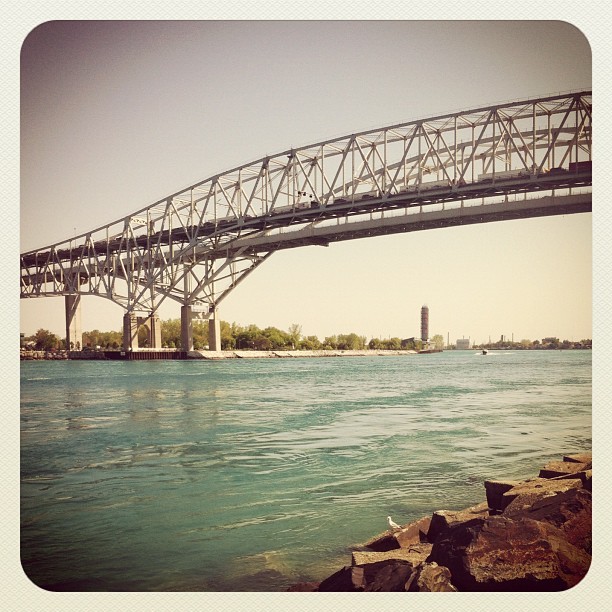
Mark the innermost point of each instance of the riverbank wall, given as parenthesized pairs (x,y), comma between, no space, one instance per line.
(290,354)
(151,354)
(531,535)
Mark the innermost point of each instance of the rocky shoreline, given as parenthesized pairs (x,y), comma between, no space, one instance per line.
(531,535)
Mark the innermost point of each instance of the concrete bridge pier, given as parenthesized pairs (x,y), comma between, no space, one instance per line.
(153,327)
(130,331)
(214,328)
(74,331)
(186,328)
(131,325)
(214,331)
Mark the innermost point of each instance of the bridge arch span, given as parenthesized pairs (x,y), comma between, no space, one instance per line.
(524,158)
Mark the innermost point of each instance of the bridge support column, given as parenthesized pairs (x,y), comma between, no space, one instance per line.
(153,327)
(186,329)
(155,331)
(74,331)
(214,331)
(130,331)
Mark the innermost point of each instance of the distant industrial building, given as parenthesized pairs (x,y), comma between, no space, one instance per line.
(424,323)
(462,344)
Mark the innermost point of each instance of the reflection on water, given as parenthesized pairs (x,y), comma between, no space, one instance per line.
(251,475)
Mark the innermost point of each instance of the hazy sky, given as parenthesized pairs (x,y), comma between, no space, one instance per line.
(116,115)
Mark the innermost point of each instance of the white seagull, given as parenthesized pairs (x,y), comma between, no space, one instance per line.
(392,524)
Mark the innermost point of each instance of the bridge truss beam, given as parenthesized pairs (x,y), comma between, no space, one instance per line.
(194,246)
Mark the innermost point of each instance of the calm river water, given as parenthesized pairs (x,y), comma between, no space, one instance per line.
(250,475)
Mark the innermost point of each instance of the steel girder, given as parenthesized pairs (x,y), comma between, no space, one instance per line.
(194,246)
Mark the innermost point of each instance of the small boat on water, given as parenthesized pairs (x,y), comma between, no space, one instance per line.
(484,351)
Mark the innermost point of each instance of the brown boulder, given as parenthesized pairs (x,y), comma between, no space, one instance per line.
(382,542)
(562,468)
(304,587)
(388,578)
(585,477)
(342,581)
(413,533)
(505,554)
(540,487)
(414,555)
(570,511)
(442,520)
(579,458)
(389,570)
(430,577)
(495,490)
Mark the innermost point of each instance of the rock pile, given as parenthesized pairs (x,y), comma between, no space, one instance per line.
(27,355)
(531,535)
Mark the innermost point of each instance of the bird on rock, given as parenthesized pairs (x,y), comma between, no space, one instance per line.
(392,524)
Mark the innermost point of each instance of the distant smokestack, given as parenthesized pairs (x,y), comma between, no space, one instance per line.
(424,323)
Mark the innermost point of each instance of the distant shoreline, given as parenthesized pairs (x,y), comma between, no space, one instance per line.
(201,355)
(161,354)
(292,354)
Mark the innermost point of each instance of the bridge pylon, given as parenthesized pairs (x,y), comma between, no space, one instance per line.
(74,331)
(211,313)
(131,325)
(214,331)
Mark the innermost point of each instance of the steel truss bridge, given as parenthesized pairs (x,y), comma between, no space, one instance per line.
(515,160)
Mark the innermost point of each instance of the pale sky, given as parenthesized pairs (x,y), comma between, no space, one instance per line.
(117,115)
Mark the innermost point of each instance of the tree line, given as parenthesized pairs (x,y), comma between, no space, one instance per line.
(233,337)
(251,337)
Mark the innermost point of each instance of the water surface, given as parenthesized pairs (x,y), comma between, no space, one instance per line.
(255,474)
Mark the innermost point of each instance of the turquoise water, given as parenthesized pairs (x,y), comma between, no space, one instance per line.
(254,474)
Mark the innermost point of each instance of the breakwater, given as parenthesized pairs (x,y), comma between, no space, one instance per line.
(531,535)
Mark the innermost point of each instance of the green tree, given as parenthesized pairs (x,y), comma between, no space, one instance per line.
(171,333)
(351,342)
(310,343)
(45,340)
(331,342)
(392,344)
(295,333)
(228,342)
(200,335)
(438,341)
(277,338)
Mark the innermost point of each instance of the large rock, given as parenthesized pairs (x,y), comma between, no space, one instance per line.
(414,555)
(430,577)
(382,542)
(585,477)
(389,570)
(413,533)
(579,458)
(343,580)
(304,587)
(504,554)
(540,487)
(391,577)
(495,490)
(562,468)
(442,520)
(570,511)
